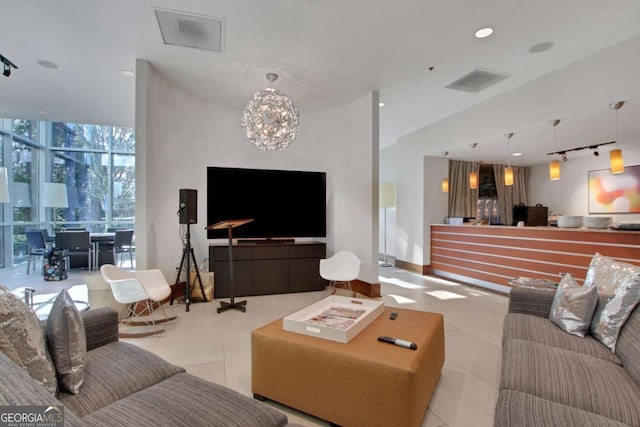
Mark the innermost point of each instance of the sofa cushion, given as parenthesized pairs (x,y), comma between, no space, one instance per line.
(22,340)
(67,342)
(539,330)
(114,371)
(573,306)
(618,285)
(628,346)
(17,388)
(570,378)
(515,408)
(185,401)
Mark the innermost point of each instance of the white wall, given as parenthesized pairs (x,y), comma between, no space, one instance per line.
(388,174)
(435,202)
(420,201)
(184,135)
(569,195)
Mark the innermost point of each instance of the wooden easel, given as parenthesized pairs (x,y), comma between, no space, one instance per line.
(230,225)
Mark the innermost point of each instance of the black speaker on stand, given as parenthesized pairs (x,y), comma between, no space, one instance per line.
(187,214)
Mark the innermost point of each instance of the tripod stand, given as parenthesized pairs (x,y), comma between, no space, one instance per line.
(185,263)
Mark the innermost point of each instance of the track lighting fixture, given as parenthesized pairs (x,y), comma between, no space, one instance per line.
(586,147)
(7,66)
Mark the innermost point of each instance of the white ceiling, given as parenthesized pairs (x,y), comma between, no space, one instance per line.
(330,52)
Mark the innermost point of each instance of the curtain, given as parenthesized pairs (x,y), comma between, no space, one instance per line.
(511,195)
(463,201)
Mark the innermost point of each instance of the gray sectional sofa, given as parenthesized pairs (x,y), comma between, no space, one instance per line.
(551,378)
(126,385)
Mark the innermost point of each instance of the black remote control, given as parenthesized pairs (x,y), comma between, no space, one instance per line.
(393,315)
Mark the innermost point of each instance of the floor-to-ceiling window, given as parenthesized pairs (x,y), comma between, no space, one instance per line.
(95,163)
(5,227)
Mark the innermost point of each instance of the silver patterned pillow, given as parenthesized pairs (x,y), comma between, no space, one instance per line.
(22,339)
(618,285)
(573,306)
(67,342)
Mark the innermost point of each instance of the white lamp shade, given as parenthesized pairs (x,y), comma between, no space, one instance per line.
(617,163)
(387,195)
(554,170)
(473,180)
(54,195)
(445,185)
(508,176)
(4,186)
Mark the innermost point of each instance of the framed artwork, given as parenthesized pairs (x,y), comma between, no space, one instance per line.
(609,193)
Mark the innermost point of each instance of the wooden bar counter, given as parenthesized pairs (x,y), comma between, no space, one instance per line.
(491,255)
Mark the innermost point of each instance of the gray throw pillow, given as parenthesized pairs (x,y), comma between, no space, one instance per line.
(618,285)
(67,343)
(573,306)
(22,339)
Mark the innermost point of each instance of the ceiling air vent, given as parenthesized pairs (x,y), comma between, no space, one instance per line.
(198,32)
(477,80)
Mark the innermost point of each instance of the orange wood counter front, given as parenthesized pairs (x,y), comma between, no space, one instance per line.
(491,255)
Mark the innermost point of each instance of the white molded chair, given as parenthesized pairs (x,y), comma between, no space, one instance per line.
(340,269)
(135,288)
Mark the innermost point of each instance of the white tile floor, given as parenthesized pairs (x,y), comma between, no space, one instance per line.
(217,347)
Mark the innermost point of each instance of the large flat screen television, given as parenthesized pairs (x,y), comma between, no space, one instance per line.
(283,204)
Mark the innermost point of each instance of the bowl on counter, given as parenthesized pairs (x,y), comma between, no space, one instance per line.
(596,221)
(569,221)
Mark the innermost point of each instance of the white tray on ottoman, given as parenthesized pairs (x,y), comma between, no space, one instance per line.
(334,318)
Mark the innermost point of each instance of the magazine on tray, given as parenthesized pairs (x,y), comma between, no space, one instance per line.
(339,317)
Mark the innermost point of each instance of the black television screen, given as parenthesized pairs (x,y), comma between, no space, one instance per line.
(281,203)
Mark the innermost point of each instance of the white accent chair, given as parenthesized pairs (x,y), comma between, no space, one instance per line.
(340,269)
(138,288)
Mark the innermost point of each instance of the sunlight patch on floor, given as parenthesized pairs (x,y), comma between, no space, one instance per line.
(479,293)
(400,282)
(401,300)
(442,281)
(444,295)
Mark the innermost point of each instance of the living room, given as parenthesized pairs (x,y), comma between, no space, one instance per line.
(180,132)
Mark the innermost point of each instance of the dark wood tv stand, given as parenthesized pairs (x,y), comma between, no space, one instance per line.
(268,268)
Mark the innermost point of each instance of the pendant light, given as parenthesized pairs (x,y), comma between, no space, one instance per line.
(270,120)
(473,176)
(445,181)
(554,166)
(508,171)
(615,155)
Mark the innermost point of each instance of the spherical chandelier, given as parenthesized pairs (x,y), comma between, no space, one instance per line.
(270,120)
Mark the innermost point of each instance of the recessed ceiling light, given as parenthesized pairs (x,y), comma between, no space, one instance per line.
(381,104)
(48,64)
(516,154)
(127,73)
(43,112)
(484,32)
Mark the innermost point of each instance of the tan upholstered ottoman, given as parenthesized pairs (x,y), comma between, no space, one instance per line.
(362,383)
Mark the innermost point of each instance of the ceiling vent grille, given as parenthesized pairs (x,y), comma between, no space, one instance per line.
(194,31)
(477,80)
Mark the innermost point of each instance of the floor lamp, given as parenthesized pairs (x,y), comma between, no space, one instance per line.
(387,200)
(4,186)
(54,196)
